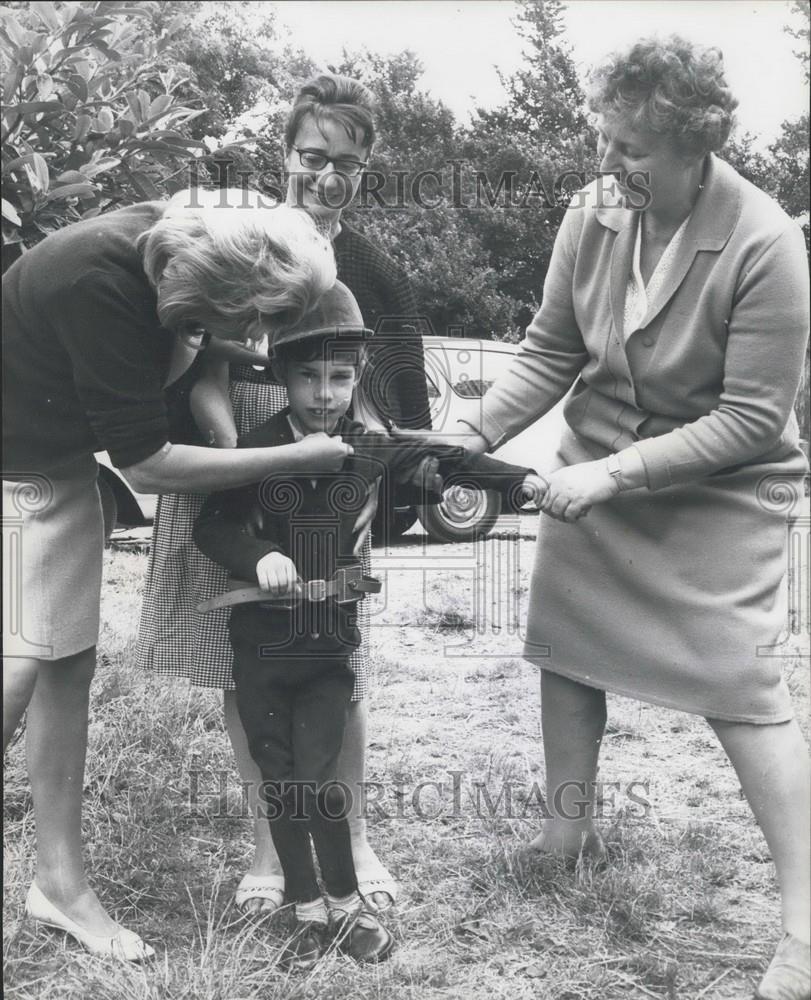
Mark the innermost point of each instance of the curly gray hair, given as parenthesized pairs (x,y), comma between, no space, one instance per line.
(670,86)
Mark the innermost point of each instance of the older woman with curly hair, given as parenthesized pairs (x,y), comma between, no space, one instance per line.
(97,319)
(675,308)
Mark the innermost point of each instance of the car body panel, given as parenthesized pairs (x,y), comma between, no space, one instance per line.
(459,372)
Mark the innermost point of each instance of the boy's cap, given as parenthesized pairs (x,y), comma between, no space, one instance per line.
(337,314)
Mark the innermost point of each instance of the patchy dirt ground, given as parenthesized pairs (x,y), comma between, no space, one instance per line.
(686,909)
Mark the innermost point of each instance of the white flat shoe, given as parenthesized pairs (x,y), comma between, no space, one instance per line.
(126,945)
(789,974)
(267,888)
(374,879)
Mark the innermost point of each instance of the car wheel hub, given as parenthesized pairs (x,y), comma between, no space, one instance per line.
(461,506)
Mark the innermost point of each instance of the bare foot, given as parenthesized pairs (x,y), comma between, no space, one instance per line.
(569,840)
(262,887)
(371,873)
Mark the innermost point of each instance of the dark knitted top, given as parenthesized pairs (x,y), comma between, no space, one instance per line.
(84,356)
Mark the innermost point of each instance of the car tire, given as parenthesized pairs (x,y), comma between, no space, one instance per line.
(463,515)
(109,508)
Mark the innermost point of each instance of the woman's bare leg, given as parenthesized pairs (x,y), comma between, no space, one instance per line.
(265,858)
(56,744)
(352,772)
(772,765)
(19,678)
(573,717)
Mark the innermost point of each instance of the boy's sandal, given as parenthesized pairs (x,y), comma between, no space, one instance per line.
(374,879)
(268,889)
(789,974)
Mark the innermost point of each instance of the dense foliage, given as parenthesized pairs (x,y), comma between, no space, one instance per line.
(108,103)
(91,119)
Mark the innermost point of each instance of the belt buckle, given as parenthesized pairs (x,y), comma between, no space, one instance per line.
(316,590)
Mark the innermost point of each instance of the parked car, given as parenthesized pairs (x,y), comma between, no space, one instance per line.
(459,371)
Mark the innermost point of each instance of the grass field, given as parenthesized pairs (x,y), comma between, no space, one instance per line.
(686,909)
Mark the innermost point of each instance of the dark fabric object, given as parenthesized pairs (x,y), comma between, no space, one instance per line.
(84,357)
(322,629)
(292,822)
(291,838)
(294,721)
(399,462)
(333,847)
(394,379)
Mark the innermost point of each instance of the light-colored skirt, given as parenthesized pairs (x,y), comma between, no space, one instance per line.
(53,550)
(675,597)
(174,640)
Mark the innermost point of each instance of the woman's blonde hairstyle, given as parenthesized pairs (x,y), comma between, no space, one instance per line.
(216,259)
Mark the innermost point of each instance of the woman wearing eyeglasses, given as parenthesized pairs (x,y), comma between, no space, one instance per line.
(97,319)
(328,137)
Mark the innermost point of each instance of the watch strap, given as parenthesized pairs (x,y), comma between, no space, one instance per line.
(614,469)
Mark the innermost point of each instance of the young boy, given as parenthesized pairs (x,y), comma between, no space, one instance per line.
(291,649)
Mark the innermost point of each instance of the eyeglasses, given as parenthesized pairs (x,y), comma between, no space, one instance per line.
(313,160)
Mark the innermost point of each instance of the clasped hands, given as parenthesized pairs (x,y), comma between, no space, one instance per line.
(569,493)
(566,494)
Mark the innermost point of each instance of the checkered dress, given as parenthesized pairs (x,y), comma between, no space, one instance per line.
(173,638)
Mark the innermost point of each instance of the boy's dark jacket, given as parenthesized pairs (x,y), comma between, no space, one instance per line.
(311,520)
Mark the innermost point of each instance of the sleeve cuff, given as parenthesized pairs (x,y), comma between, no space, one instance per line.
(657,467)
(493,441)
(125,457)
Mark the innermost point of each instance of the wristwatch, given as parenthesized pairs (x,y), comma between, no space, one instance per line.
(614,468)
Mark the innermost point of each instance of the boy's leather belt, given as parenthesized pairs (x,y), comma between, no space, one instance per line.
(346,586)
